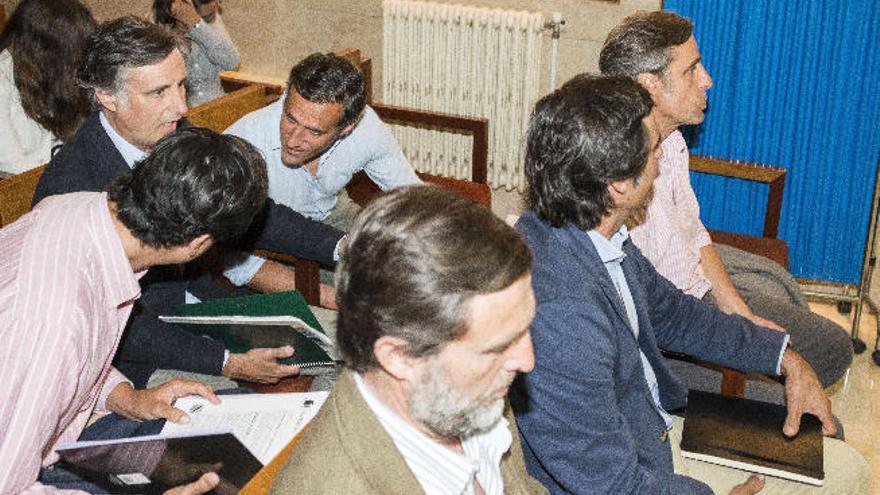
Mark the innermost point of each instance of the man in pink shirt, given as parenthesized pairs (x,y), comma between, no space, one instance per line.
(658,50)
(69,275)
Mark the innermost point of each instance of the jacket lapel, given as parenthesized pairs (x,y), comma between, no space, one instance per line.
(371,449)
(582,248)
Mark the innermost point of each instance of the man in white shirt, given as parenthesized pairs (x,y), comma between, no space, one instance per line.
(314,140)
(435,303)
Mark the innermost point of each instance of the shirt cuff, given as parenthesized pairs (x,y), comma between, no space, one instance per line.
(336,252)
(225,358)
(114,378)
(242,268)
(779,360)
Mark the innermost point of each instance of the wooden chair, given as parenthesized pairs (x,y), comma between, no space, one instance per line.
(16,193)
(734,382)
(767,244)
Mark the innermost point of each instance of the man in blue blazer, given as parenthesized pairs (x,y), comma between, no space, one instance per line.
(594,413)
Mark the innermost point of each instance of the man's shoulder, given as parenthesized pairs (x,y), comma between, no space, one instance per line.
(258,126)
(90,142)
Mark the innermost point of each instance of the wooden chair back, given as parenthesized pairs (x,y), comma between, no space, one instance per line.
(16,193)
(220,113)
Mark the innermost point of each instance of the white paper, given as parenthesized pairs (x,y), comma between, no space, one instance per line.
(264,423)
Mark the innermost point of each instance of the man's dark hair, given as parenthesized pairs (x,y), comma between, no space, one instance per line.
(120,44)
(194,182)
(581,138)
(329,78)
(415,258)
(641,43)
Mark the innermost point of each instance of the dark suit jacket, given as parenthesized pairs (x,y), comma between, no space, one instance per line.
(346,450)
(89,162)
(585,414)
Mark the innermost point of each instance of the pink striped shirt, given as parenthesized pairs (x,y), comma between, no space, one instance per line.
(672,235)
(66,291)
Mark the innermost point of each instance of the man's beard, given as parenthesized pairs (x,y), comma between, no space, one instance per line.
(447,411)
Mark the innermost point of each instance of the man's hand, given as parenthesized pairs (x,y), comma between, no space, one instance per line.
(327,296)
(804,394)
(205,484)
(155,403)
(764,322)
(752,486)
(260,365)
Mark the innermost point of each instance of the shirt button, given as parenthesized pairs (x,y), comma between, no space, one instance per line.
(664,435)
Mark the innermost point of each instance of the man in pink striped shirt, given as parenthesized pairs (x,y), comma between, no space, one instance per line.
(69,275)
(659,51)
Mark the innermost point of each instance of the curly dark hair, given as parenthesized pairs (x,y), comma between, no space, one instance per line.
(581,138)
(414,259)
(329,78)
(194,182)
(641,43)
(46,39)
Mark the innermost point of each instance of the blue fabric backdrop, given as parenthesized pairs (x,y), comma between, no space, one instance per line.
(797,85)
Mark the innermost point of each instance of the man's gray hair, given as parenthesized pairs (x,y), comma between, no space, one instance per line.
(641,43)
(121,44)
(415,258)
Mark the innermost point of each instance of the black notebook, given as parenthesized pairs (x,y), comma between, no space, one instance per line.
(747,434)
(242,333)
(156,463)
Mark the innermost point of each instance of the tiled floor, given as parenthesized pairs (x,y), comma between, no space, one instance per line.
(855,399)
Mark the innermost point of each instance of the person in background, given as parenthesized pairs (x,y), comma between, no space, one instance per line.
(211,48)
(41,104)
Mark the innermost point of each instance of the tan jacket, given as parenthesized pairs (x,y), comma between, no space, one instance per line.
(346,450)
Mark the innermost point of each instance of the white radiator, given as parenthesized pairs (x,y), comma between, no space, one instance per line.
(468,61)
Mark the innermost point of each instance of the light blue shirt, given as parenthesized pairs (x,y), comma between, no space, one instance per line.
(130,153)
(369,147)
(612,255)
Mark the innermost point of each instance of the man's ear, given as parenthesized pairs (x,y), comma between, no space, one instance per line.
(107,99)
(650,82)
(347,129)
(618,190)
(199,245)
(391,353)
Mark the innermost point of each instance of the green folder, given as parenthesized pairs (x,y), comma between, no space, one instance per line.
(243,335)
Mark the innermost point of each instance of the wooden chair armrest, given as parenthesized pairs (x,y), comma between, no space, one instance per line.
(262,482)
(307,278)
(16,194)
(774,177)
(474,126)
(774,249)
(733,382)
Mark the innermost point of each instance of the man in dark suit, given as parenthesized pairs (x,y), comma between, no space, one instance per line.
(134,73)
(435,301)
(594,414)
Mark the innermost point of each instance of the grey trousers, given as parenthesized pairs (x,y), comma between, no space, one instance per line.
(821,342)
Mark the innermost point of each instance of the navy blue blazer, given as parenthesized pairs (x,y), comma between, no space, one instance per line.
(585,414)
(89,161)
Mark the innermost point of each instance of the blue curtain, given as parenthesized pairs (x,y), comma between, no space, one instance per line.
(797,85)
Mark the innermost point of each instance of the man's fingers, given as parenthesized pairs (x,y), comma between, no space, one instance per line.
(183,388)
(829,426)
(205,484)
(280,352)
(792,420)
(169,412)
